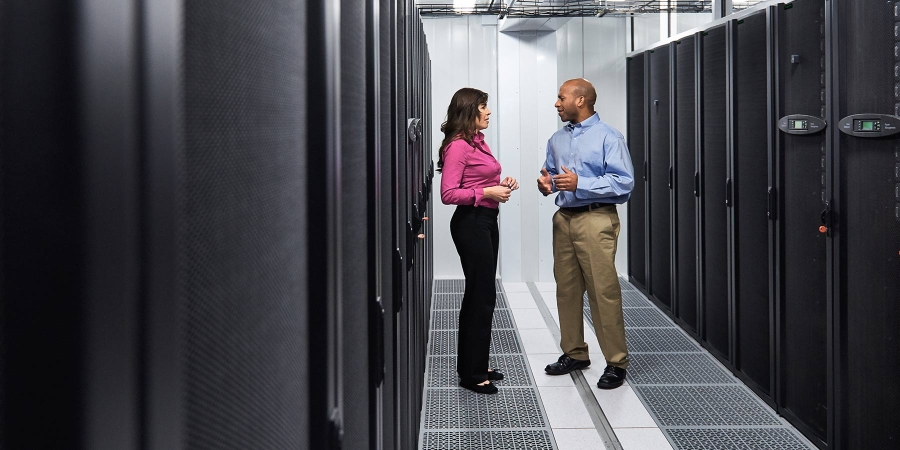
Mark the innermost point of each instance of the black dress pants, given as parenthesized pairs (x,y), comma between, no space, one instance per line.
(477,238)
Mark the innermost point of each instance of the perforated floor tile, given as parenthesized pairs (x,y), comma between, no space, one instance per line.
(443,342)
(454,301)
(500,439)
(513,407)
(449,320)
(458,286)
(658,340)
(683,368)
(646,317)
(745,438)
(701,406)
(442,370)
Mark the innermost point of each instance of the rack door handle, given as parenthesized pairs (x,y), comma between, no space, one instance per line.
(697,184)
(728,201)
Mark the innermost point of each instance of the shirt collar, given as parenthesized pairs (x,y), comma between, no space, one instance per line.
(478,137)
(586,123)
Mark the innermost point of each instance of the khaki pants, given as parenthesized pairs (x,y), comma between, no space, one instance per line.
(584,254)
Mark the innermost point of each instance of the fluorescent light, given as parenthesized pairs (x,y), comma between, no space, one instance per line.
(464,5)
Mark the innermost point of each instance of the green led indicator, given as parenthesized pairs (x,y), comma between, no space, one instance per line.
(789,6)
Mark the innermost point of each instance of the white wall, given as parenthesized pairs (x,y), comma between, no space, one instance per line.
(528,86)
(522,71)
(463,54)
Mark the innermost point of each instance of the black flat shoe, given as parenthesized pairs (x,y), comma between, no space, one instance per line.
(612,378)
(480,388)
(565,365)
(494,375)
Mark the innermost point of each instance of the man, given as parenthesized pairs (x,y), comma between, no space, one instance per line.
(589,165)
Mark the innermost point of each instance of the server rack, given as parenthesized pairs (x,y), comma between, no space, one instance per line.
(637,114)
(686,184)
(865,220)
(715,188)
(800,196)
(751,147)
(172,256)
(658,149)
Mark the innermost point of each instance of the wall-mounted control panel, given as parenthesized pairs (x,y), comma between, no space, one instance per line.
(801,124)
(870,125)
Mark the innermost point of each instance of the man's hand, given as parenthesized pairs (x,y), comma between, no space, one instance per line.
(544,183)
(567,181)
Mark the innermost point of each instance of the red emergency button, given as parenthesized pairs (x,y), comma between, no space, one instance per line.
(823,229)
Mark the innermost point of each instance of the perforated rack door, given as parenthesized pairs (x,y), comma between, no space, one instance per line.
(713,175)
(868,226)
(801,198)
(637,236)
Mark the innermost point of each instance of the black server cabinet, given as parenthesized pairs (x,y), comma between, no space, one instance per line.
(659,110)
(156,227)
(637,245)
(867,76)
(686,183)
(800,198)
(714,190)
(751,146)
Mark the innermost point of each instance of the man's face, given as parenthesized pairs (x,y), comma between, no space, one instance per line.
(566,104)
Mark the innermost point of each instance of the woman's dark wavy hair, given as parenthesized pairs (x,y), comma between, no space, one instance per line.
(461,116)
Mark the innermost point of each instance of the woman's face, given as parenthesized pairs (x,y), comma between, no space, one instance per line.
(484,117)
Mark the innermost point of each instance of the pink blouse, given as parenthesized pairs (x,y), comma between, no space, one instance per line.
(467,171)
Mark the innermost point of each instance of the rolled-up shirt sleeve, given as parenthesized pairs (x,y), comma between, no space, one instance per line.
(618,178)
(451,176)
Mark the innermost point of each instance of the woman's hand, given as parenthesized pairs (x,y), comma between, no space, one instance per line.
(510,182)
(497,193)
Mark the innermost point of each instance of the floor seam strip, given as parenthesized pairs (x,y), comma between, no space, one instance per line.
(601,423)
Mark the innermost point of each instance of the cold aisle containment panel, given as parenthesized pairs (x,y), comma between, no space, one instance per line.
(798,230)
(214,226)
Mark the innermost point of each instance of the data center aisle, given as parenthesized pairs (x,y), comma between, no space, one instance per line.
(676,395)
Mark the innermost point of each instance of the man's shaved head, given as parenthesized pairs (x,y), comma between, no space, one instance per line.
(575,101)
(582,88)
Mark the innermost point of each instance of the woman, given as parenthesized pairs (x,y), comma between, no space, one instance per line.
(471,180)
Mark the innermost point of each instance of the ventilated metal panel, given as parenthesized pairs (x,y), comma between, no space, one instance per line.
(869,209)
(454,301)
(494,439)
(746,438)
(658,340)
(241,228)
(708,406)
(751,157)
(449,319)
(685,162)
(716,319)
(680,368)
(646,318)
(803,298)
(457,286)
(445,342)
(660,110)
(515,368)
(510,408)
(637,247)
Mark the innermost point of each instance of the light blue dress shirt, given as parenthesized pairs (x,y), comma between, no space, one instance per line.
(597,153)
